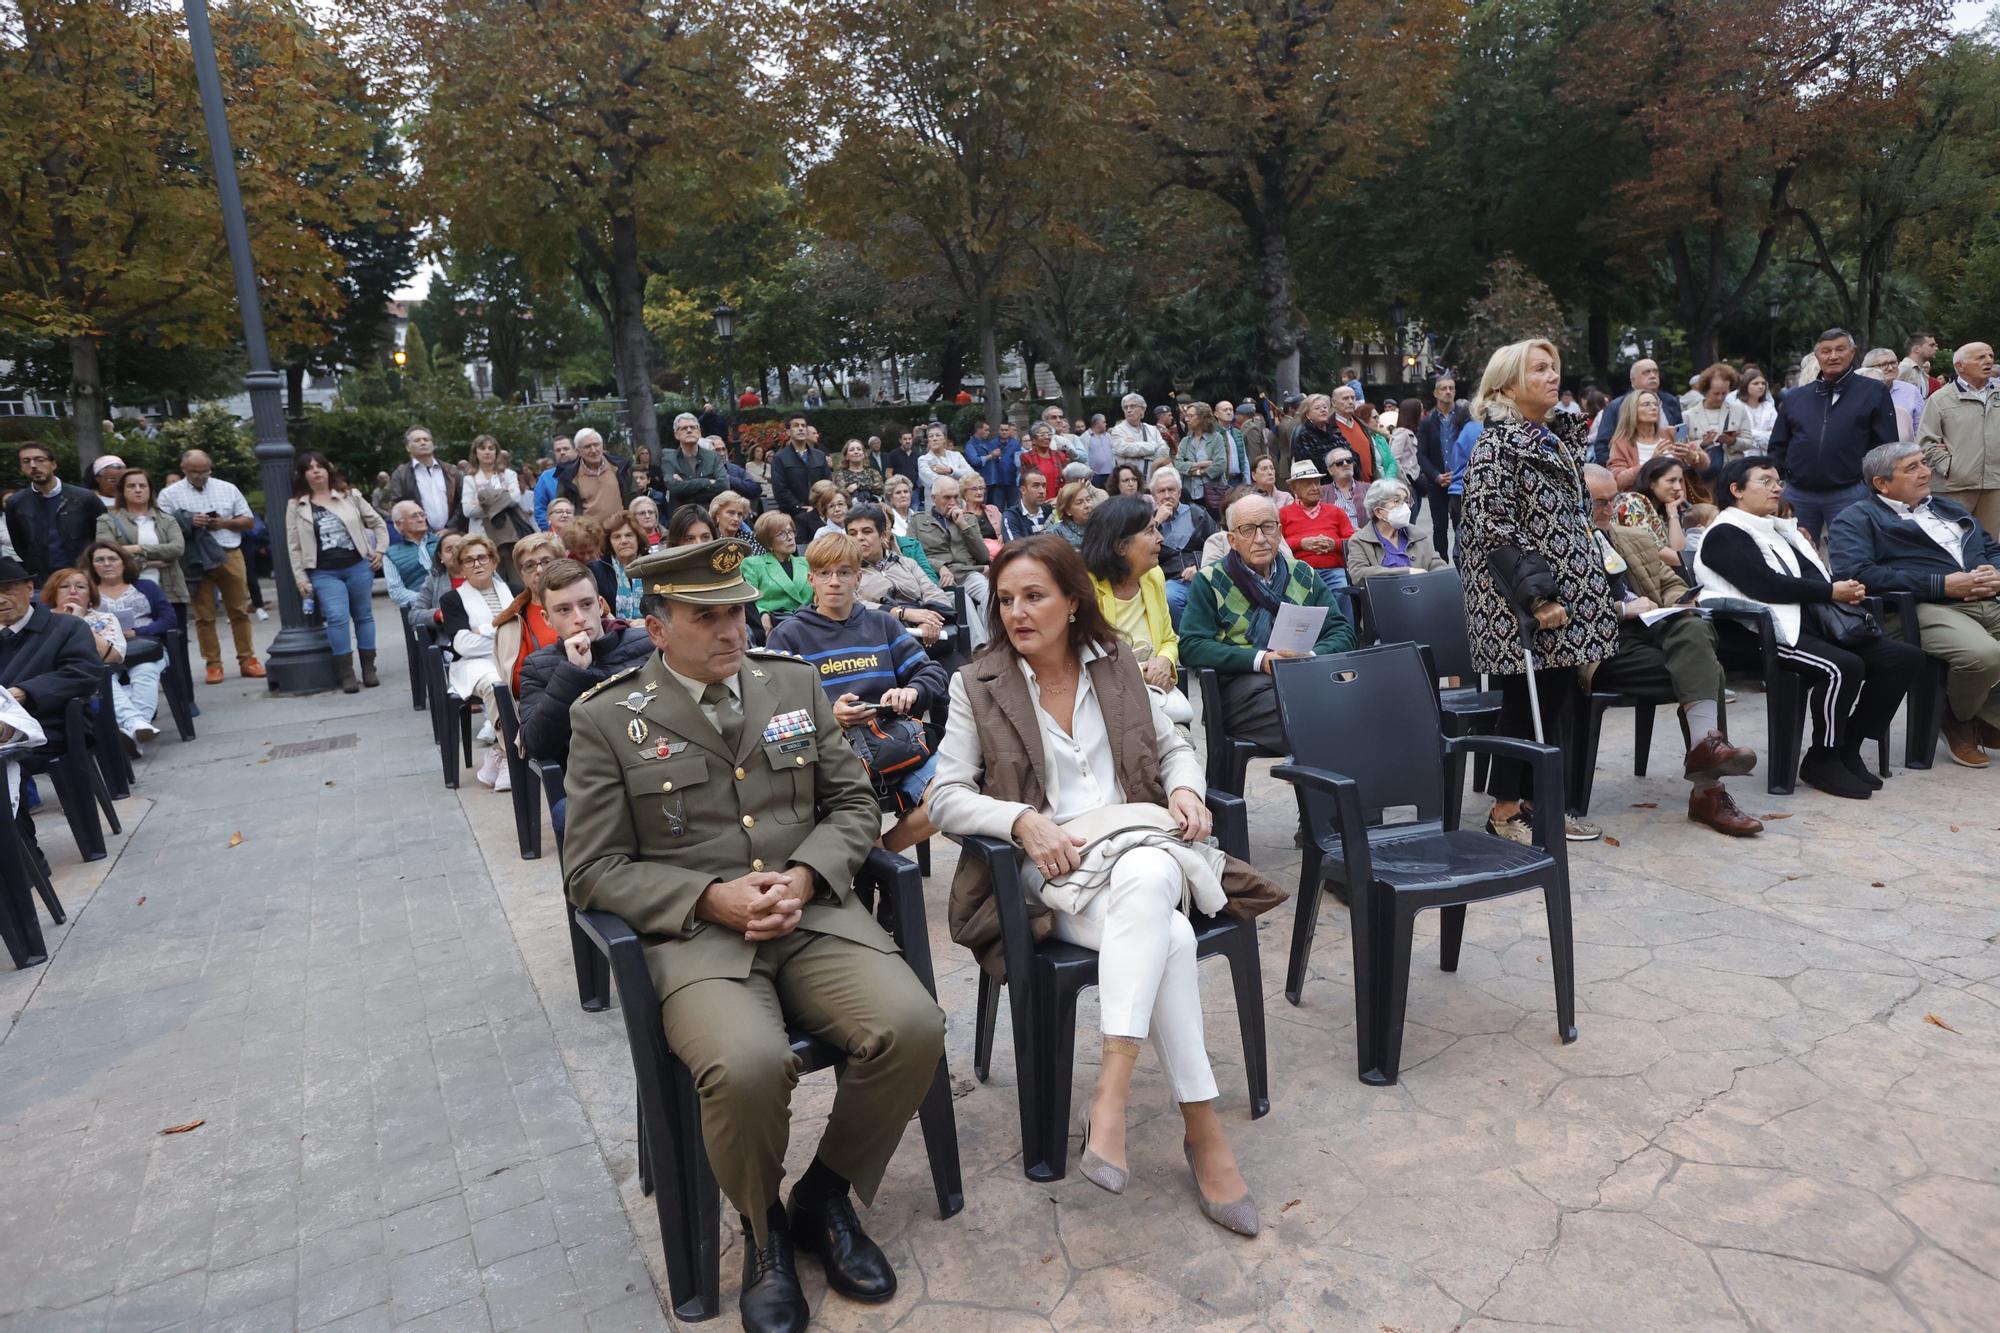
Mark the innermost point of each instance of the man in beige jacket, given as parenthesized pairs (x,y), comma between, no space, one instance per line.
(1960,436)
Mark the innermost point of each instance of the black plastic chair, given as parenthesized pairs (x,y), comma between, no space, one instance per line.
(523,783)
(107,747)
(1923,711)
(673,1162)
(20,929)
(1228,756)
(1583,756)
(1044,1009)
(451,717)
(1429,609)
(177,683)
(1784,699)
(1358,710)
(77,783)
(416,636)
(593,973)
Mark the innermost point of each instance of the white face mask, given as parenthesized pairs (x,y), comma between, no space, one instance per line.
(1398,516)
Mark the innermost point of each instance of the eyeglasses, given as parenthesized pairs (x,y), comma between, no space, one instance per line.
(530,566)
(475,558)
(1248,531)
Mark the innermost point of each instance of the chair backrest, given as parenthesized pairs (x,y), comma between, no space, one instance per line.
(1427,609)
(1370,715)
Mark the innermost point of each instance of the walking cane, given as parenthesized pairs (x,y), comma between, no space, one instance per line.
(1528,663)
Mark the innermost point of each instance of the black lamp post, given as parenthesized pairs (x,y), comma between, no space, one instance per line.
(1774,309)
(299,660)
(1399,319)
(725,329)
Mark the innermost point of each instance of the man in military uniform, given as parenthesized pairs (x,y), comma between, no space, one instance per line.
(715,805)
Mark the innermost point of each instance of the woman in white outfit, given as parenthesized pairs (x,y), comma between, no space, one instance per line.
(1056,743)
(467,614)
(493,502)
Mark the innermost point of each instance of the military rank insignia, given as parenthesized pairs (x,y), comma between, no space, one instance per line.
(636,729)
(789,726)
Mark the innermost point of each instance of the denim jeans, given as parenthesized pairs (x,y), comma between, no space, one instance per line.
(1335,582)
(1177,598)
(346,600)
(1815,509)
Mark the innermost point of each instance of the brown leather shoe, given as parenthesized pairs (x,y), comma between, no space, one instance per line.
(214,676)
(250,667)
(1713,757)
(1963,740)
(1714,807)
(1989,735)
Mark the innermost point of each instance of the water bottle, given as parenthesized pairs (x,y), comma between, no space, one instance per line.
(306,606)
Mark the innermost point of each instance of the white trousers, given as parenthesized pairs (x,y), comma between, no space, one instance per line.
(977,593)
(1146,983)
(134,704)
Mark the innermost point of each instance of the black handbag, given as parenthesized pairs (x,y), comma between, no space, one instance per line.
(1841,625)
(890,747)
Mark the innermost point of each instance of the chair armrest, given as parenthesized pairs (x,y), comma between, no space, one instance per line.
(1905,606)
(1753,616)
(1546,760)
(608,930)
(1345,793)
(898,890)
(1232,823)
(1003,872)
(551,774)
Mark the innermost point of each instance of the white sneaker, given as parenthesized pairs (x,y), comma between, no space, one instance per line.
(485,734)
(145,731)
(262,614)
(503,780)
(489,767)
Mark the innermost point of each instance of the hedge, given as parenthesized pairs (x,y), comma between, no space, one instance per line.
(211,429)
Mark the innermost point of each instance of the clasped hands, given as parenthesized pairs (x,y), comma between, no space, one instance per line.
(1054,852)
(762,905)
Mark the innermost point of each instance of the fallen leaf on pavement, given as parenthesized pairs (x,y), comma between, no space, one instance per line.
(1954,828)
(141,902)
(1777,816)
(1610,841)
(1645,805)
(235,839)
(1049,1256)
(1877,884)
(1289,1206)
(182,1129)
(1935,1021)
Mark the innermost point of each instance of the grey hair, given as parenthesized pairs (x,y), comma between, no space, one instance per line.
(1875,352)
(1963,353)
(1229,518)
(586,434)
(1132,398)
(687,416)
(397,510)
(1041,428)
(1879,463)
(1383,491)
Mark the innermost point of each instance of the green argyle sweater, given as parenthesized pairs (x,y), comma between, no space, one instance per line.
(1215,628)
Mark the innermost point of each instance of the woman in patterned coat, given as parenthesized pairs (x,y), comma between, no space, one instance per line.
(1529,548)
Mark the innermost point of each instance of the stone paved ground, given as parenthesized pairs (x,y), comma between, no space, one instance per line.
(1781,1112)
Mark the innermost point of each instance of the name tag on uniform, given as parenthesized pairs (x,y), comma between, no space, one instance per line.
(789,726)
(789,746)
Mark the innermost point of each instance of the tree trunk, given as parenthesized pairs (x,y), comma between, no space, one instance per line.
(1274,294)
(989,358)
(1599,336)
(629,346)
(87,403)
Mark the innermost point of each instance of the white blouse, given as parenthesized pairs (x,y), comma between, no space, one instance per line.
(1082,773)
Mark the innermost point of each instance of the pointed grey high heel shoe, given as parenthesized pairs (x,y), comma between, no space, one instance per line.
(1095,1169)
(1239,1217)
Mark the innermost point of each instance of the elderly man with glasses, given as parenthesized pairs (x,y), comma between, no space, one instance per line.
(1231,608)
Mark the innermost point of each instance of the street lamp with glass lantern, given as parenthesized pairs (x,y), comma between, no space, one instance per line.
(299,660)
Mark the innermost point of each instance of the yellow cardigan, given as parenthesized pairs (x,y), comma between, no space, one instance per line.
(1159,624)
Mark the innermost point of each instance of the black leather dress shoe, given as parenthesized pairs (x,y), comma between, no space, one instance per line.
(772,1300)
(855,1265)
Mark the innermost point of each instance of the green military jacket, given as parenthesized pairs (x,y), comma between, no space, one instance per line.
(660,808)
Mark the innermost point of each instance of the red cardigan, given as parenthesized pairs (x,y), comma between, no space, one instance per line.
(1329,520)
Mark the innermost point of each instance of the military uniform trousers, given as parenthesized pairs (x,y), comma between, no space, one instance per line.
(730,1033)
(1674,661)
(1965,636)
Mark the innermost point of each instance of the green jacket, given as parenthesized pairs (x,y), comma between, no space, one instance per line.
(781,587)
(1215,627)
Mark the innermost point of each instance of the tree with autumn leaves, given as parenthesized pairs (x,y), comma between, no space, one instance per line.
(109,223)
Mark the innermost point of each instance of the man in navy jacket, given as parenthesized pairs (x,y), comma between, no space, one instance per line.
(1901,538)
(1822,431)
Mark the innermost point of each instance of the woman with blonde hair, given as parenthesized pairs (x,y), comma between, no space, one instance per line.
(492,500)
(1641,432)
(469,614)
(1074,505)
(1529,555)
